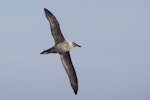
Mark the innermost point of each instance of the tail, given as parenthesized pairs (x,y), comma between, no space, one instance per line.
(51,50)
(44,52)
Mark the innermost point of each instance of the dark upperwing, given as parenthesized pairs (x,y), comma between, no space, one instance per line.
(55,27)
(66,60)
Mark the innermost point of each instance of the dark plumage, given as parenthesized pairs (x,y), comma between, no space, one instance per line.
(62,47)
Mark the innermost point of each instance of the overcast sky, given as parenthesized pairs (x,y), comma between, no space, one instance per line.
(113,63)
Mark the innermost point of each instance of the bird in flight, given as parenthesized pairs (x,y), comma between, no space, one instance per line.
(62,47)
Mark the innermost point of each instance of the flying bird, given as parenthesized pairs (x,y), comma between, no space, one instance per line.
(62,47)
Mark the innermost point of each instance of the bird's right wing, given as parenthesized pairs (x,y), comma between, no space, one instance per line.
(55,27)
(66,60)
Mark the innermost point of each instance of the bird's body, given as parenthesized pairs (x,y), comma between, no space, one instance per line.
(62,47)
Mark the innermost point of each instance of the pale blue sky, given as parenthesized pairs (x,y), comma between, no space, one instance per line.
(113,63)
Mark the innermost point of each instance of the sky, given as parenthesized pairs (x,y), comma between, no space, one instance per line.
(113,63)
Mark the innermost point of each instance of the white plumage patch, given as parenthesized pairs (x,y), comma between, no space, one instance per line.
(71,45)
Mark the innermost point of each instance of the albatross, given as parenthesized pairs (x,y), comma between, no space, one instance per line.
(62,47)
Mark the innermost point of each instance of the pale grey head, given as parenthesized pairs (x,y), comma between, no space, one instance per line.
(73,44)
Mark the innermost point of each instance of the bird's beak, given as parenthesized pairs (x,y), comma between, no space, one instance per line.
(78,46)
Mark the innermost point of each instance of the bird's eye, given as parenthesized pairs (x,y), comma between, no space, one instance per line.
(74,44)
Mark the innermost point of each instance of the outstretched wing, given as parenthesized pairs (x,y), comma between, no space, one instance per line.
(55,27)
(66,60)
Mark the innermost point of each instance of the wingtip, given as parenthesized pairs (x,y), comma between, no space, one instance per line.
(47,12)
(45,9)
(75,91)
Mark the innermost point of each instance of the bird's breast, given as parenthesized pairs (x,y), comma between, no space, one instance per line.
(63,47)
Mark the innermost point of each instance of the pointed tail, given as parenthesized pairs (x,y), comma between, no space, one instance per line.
(45,52)
(51,50)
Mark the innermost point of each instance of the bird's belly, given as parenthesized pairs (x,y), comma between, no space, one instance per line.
(62,49)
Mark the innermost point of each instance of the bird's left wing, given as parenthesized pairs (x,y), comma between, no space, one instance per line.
(66,60)
(55,27)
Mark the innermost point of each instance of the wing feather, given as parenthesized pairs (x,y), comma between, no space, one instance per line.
(55,27)
(66,60)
